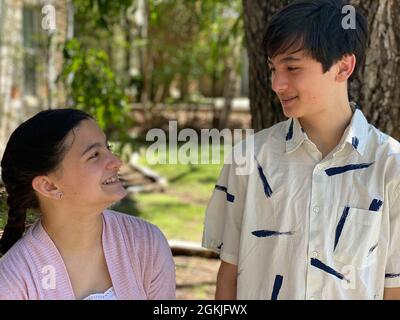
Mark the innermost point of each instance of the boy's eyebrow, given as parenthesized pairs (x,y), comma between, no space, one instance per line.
(290,59)
(93,145)
(286,59)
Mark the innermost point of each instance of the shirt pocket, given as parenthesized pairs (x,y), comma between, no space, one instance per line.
(358,238)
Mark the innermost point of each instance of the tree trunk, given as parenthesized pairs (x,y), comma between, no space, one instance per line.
(231,82)
(10,76)
(264,106)
(374,89)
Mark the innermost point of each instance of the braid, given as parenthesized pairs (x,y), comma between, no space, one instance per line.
(15,226)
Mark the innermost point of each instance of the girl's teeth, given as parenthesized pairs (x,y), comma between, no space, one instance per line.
(111,180)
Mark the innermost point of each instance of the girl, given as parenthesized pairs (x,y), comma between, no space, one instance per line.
(59,163)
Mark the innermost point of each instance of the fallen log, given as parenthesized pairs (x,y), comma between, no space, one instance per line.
(192,249)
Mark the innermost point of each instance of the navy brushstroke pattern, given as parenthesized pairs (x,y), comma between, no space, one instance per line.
(289,135)
(372,249)
(339,170)
(277,287)
(340,225)
(320,265)
(392,275)
(355,142)
(270,233)
(220,246)
(267,188)
(229,197)
(375,205)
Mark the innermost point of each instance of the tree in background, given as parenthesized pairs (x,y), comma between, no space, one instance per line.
(163,51)
(375,88)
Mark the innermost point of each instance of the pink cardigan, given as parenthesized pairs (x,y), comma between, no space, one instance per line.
(137,254)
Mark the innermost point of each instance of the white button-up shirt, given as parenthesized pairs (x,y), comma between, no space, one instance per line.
(303,227)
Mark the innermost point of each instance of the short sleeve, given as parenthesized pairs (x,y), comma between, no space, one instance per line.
(162,283)
(223,217)
(6,289)
(392,270)
(11,285)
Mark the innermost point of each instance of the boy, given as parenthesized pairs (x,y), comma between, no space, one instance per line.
(319,217)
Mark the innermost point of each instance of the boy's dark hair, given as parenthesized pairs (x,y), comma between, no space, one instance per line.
(35,148)
(316,27)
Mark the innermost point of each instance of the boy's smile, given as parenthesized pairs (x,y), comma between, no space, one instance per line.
(300,84)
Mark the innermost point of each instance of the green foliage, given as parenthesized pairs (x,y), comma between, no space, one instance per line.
(186,41)
(99,14)
(197,42)
(94,89)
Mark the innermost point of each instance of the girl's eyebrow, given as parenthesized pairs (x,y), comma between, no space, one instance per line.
(93,145)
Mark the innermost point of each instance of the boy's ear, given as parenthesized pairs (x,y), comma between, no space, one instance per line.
(44,186)
(346,67)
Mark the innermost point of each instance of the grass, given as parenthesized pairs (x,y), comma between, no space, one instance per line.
(179,211)
(3,213)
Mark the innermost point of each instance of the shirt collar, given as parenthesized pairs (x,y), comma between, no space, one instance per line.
(295,134)
(355,134)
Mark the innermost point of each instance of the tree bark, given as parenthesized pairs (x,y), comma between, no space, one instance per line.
(375,88)
(264,106)
(10,76)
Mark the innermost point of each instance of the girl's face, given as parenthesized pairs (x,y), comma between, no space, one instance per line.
(87,176)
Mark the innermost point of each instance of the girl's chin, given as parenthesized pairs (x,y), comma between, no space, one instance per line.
(117,194)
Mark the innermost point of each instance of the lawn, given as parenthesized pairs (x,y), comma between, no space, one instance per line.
(179,211)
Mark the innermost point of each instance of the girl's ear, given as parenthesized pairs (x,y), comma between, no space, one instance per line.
(44,186)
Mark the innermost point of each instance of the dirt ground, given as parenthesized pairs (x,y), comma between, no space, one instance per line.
(195,278)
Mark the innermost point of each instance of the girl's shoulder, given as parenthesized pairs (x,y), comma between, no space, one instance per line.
(134,227)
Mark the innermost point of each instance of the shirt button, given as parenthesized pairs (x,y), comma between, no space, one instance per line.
(316,209)
(315,254)
(311,298)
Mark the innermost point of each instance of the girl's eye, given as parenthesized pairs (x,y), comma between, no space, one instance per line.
(94,156)
(293,68)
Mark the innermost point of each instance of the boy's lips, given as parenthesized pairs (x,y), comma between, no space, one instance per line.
(287,99)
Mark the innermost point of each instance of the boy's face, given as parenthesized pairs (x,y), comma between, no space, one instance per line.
(302,87)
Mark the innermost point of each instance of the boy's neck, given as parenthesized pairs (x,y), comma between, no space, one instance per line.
(326,128)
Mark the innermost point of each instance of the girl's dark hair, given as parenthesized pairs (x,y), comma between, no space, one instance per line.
(317,27)
(35,148)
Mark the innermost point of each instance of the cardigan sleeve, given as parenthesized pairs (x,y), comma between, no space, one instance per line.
(11,278)
(161,284)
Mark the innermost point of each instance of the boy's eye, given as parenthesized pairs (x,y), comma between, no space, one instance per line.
(293,68)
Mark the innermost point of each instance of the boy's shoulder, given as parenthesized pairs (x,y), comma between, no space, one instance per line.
(381,144)
(274,138)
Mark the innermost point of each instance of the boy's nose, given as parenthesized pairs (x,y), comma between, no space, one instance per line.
(279,83)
